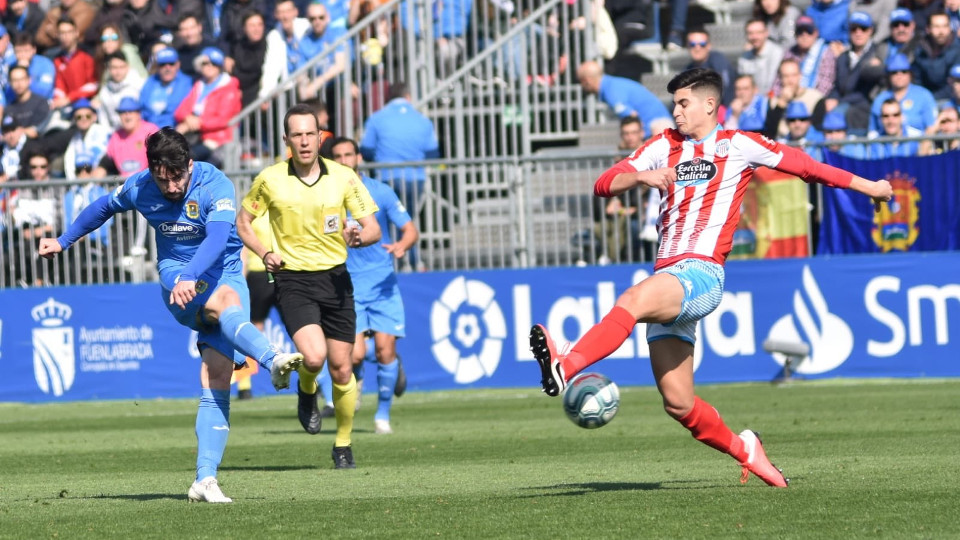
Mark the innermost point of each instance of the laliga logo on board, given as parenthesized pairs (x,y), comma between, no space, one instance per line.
(831,343)
(468,329)
(54,365)
(895,225)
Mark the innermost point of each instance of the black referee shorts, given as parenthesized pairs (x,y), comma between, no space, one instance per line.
(262,296)
(323,297)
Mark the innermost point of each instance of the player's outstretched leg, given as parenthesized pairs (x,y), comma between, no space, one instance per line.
(757,462)
(551,368)
(237,329)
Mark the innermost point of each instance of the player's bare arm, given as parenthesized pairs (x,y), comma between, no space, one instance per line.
(183,292)
(270,259)
(368,233)
(408,238)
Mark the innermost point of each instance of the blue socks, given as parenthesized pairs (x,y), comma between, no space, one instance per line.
(386,381)
(236,327)
(213,427)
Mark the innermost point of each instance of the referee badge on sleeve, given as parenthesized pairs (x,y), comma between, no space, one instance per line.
(331,224)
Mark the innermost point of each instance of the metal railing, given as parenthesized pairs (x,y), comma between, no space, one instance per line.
(498,88)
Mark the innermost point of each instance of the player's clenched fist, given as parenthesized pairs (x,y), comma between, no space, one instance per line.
(660,178)
(49,247)
(882,192)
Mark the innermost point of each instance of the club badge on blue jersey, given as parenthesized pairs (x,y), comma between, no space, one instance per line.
(192,209)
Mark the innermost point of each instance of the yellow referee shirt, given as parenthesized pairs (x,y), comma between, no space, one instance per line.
(307,220)
(261,228)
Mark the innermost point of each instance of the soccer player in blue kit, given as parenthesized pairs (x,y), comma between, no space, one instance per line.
(375,292)
(192,207)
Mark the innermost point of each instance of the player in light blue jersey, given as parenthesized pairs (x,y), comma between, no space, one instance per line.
(192,207)
(375,292)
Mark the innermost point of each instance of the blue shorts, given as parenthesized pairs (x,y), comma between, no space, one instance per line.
(703,289)
(381,311)
(191,317)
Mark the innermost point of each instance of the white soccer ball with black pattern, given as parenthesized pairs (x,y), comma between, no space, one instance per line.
(591,400)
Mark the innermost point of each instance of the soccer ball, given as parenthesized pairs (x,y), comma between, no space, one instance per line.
(591,400)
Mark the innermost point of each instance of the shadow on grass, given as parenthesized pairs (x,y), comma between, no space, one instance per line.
(564,490)
(269,468)
(141,497)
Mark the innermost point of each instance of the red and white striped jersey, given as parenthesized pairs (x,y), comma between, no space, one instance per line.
(700,211)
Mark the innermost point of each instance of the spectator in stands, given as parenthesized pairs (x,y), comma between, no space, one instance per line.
(678,23)
(948,123)
(903,37)
(761,56)
(76,74)
(27,108)
(800,130)
(233,20)
(205,114)
(835,129)
(891,119)
(80,12)
(343,13)
(190,42)
(34,216)
(860,73)
(151,22)
(818,64)
(111,13)
(89,138)
(633,21)
(449,29)
(831,19)
(43,73)
(398,132)
(111,41)
(702,55)
(164,90)
(953,99)
(283,44)
(917,104)
(126,150)
(792,90)
(879,11)
(246,57)
(121,82)
(748,110)
(14,140)
(631,133)
(938,51)
(780,17)
(319,37)
(24,17)
(625,97)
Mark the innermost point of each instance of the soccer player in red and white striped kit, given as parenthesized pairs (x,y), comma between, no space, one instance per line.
(702,171)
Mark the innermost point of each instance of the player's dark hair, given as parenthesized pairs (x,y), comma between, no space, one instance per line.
(343,140)
(698,79)
(397,89)
(298,110)
(627,120)
(168,150)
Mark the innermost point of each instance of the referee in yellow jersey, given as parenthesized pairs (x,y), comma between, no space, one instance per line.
(307,198)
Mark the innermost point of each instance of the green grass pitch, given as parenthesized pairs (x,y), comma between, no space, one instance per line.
(867,459)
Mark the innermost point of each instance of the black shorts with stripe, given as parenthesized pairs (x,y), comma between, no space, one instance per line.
(320,297)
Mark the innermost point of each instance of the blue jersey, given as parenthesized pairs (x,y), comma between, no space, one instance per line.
(181,226)
(629,98)
(918,106)
(158,101)
(370,266)
(311,46)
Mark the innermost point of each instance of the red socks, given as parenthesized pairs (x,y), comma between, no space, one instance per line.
(600,341)
(705,424)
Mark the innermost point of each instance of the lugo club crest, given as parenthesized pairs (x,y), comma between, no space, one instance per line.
(895,226)
(694,172)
